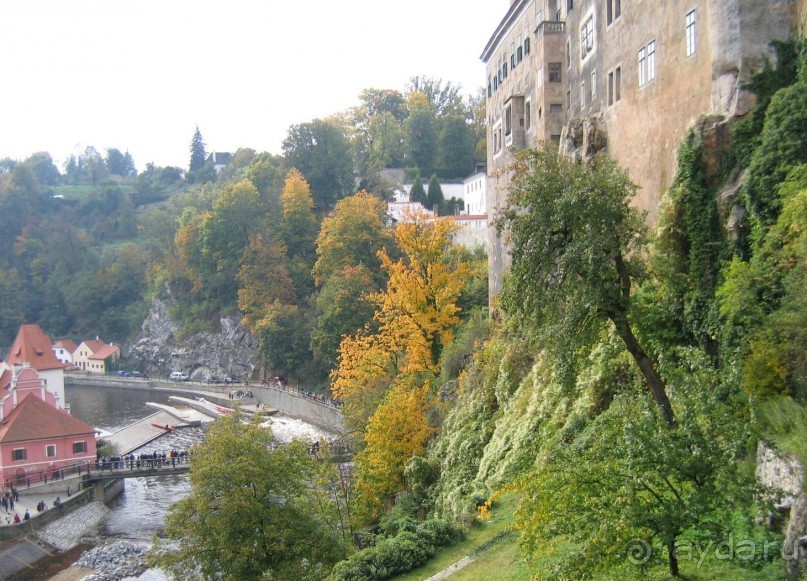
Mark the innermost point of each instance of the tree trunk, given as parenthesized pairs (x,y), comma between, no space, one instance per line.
(673,558)
(619,318)
(651,376)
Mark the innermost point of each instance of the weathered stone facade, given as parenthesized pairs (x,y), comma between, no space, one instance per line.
(646,71)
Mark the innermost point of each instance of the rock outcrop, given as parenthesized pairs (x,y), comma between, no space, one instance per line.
(231,350)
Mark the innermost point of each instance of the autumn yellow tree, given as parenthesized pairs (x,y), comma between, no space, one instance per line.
(384,377)
(416,313)
(397,431)
(298,227)
(264,278)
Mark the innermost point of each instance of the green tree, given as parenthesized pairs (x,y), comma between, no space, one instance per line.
(254,511)
(456,148)
(421,135)
(47,174)
(321,152)
(576,248)
(119,163)
(435,200)
(198,153)
(418,192)
(444,97)
(343,308)
(596,505)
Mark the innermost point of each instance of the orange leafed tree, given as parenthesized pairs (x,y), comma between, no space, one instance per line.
(384,377)
(397,431)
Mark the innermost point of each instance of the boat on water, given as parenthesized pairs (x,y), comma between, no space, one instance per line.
(214,410)
(165,427)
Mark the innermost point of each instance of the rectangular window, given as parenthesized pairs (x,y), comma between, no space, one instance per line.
(613,10)
(651,60)
(508,120)
(569,98)
(539,78)
(554,73)
(79,447)
(617,83)
(527,114)
(18,454)
(642,61)
(555,108)
(587,38)
(569,6)
(593,85)
(611,88)
(582,94)
(690,32)
(555,138)
(50,451)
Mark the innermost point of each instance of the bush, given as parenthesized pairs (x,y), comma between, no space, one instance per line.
(395,555)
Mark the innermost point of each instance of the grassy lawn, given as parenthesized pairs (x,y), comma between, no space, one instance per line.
(497,556)
(488,542)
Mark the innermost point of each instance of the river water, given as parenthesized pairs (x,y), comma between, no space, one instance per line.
(140,512)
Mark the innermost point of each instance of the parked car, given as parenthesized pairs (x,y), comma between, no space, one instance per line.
(178,376)
(123,373)
(215,379)
(137,373)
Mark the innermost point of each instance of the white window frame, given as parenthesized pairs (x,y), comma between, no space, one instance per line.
(48,449)
(583,94)
(641,66)
(19,452)
(691,33)
(593,85)
(80,444)
(587,38)
(651,60)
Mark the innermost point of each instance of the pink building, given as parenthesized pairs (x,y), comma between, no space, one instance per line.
(33,348)
(35,435)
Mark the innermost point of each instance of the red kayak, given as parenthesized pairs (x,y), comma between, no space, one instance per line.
(165,427)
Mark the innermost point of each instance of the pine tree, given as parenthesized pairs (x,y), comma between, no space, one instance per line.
(417,193)
(435,199)
(198,154)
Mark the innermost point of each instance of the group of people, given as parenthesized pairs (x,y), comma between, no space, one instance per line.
(281,383)
(10,496)
(144,460)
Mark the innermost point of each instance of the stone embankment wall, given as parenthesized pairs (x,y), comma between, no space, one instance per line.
(294,405)
(288,401)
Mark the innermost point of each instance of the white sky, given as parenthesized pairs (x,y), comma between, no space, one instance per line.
(141,74)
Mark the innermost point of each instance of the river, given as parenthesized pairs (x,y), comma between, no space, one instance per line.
(139,513)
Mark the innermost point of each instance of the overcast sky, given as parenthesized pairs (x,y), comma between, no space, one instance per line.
(140,75)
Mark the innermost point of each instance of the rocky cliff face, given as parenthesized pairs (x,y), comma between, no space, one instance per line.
(231,350)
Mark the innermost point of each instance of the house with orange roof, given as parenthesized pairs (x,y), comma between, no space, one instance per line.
(64,349)
(35,435)
(95,356)
(33,348)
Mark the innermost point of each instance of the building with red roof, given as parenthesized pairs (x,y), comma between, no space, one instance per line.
(64,349)
(33,348)
(35,435)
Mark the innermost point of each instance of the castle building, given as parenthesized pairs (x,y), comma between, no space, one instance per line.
(626,77)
